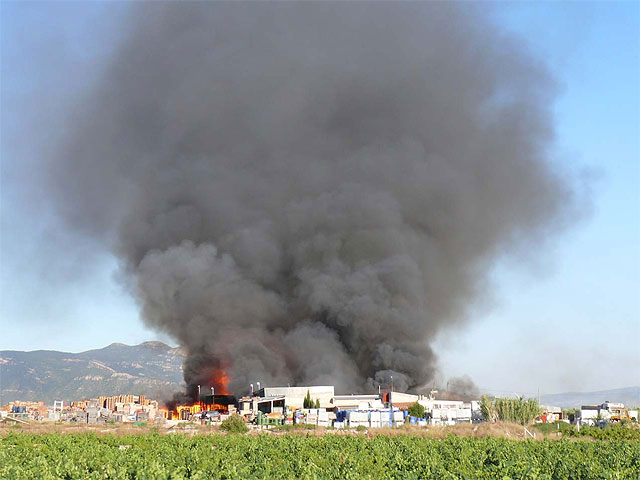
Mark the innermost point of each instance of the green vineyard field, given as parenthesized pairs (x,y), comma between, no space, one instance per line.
(152,456)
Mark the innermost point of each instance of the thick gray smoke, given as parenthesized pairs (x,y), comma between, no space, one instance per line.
(460,388)
(310,193)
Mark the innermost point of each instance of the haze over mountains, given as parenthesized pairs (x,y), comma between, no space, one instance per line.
(155,369)
(151,368)
(630,396)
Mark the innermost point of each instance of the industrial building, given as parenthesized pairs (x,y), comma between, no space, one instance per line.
(606,412)
(358,402)
(550,414)
(294,396)
(287,405)
(370,410)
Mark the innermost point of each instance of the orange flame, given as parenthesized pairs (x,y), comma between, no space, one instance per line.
(220,381)
(181,412)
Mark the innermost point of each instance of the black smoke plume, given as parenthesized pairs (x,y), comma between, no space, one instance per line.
(308,193)
(460,388)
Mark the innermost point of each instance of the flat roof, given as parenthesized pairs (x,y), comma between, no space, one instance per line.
(271,399)
(355,396)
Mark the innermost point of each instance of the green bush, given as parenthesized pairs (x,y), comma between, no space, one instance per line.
(416,410)
(361,428)
(307,402)
(234,424)
(551,428)
(616,431)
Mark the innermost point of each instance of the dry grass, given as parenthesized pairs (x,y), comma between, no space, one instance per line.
(107,429)
(503,430)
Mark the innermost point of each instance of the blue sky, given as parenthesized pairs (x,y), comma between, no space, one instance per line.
(570,321)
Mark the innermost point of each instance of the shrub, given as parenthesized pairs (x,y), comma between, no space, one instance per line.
(416,410)
(616,431)
(553,428)
(307,402)
(234,424)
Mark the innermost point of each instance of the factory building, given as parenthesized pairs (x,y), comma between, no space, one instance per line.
(253,405)
(294,396)
(401,400)
(439,412)
(358,402)
(605,412)
(270,406)
(550,414)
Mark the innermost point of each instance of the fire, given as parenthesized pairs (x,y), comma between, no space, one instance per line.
(181,412)
(220,381)
(184,411)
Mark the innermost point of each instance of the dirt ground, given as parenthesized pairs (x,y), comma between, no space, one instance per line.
(113,429)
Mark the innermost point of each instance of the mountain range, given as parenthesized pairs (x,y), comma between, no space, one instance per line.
(630,396)
(153,369)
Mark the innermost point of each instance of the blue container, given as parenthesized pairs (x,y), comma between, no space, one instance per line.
(413,420)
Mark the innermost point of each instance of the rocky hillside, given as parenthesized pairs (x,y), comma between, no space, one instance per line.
(151,368)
